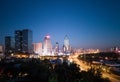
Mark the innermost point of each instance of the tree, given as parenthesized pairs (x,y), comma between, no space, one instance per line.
(93,75)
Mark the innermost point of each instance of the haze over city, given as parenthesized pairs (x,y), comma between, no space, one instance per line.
(88,23)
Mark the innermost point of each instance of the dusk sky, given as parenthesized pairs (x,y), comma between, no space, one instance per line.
(88,23)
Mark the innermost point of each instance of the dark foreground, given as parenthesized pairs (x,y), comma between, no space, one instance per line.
(35,70)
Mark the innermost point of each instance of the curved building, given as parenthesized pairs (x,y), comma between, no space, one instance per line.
(66,46)
(66,42)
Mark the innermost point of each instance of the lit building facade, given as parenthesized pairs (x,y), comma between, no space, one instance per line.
(9,45)
(87,51)
(18,41)
(56,48)
(27,41)
(66,46)
(37,48)
(66,42)
(23,41)
(47,46)
(1,50)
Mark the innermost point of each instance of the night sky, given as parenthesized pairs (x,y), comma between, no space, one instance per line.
(88,23)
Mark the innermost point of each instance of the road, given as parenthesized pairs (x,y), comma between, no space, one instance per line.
(112,77)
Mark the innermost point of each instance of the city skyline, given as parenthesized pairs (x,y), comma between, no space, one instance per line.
(88,24)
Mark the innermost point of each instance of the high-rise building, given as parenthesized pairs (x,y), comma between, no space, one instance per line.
(27,41)
(56,48)
(66,42)
(23,41)
(37,48)
(66,46)
(9,45)
(47,46)
(18,41)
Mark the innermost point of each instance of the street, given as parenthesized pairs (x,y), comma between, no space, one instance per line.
(84,67)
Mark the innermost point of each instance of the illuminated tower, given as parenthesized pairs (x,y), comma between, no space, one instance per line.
(66,46)
(23,41)
(47,46)
(18,41)
(56,48)
(66,42)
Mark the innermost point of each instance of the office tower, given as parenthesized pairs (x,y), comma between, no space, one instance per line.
(66,42)
(18,41)
(56,48)
(27,41)
(47,46)
(66,46)
(23,41)
(9,45)
(37,48)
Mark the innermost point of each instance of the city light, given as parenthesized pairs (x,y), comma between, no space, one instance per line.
(48,36)
(60,41)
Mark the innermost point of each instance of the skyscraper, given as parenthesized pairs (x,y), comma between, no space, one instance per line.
(27,41)
(47,46)
(66,42)
(37,48)
(66,46)
(18,41)
(9,45)
(56,48)
(23,41)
